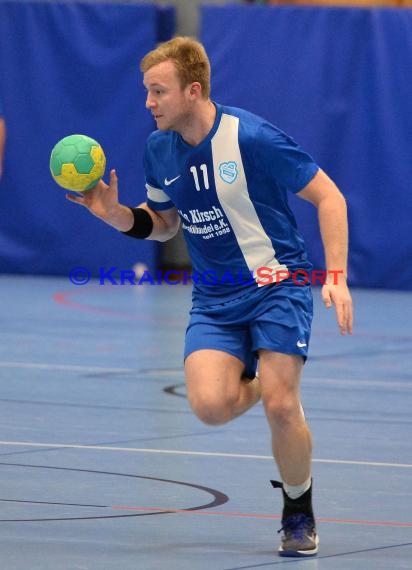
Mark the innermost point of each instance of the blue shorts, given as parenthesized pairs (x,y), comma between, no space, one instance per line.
(275,317)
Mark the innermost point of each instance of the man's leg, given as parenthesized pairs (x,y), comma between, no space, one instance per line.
(291,440)
(279,376)
(215,389)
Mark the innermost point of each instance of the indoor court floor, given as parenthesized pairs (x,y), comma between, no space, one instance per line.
(103,465)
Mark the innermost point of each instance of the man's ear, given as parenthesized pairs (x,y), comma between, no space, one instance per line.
(195,89)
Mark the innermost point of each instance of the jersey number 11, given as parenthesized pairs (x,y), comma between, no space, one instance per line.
(194,171)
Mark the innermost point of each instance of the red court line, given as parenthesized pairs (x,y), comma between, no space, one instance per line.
(264,516)
(66,298)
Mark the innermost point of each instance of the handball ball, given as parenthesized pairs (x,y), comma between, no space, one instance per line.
(77,162)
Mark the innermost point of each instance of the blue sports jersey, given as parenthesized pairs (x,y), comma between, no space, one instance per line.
(231,195)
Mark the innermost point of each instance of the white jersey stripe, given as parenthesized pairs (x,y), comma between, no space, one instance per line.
(233,194)
(156,195)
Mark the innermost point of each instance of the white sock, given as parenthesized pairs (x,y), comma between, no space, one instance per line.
(296,491)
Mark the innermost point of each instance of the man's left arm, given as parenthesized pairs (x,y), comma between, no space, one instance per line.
(333,222)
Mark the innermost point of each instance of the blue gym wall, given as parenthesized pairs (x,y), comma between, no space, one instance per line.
(72,68)
(337,79)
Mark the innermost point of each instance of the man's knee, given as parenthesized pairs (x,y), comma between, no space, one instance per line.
(212,380)
(283,410)
(211,411)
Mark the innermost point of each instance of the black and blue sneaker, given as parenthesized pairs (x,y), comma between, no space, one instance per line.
(299,536)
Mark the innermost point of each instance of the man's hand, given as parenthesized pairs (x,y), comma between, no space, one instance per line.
(103,202)
(338,294)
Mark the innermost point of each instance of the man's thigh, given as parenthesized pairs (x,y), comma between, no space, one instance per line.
(212,376)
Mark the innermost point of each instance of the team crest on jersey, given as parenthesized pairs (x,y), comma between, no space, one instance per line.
(228,171)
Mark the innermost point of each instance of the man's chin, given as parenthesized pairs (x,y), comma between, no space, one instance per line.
(162,125)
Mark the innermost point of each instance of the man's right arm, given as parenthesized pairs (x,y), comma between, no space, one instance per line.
(165,223)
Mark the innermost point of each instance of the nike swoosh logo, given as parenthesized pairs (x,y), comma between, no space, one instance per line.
(300,344)
(169,182)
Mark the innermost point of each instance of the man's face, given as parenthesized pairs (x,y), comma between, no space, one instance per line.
(168,102)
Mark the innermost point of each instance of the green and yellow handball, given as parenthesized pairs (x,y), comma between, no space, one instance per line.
(77,163)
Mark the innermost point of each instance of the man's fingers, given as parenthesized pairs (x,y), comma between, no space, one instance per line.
(343,307)
(75,199)
(344,317)
(327,300)
(348,318)
(341,317)
(113,178)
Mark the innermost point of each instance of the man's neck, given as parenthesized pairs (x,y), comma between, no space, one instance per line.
(200,125)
